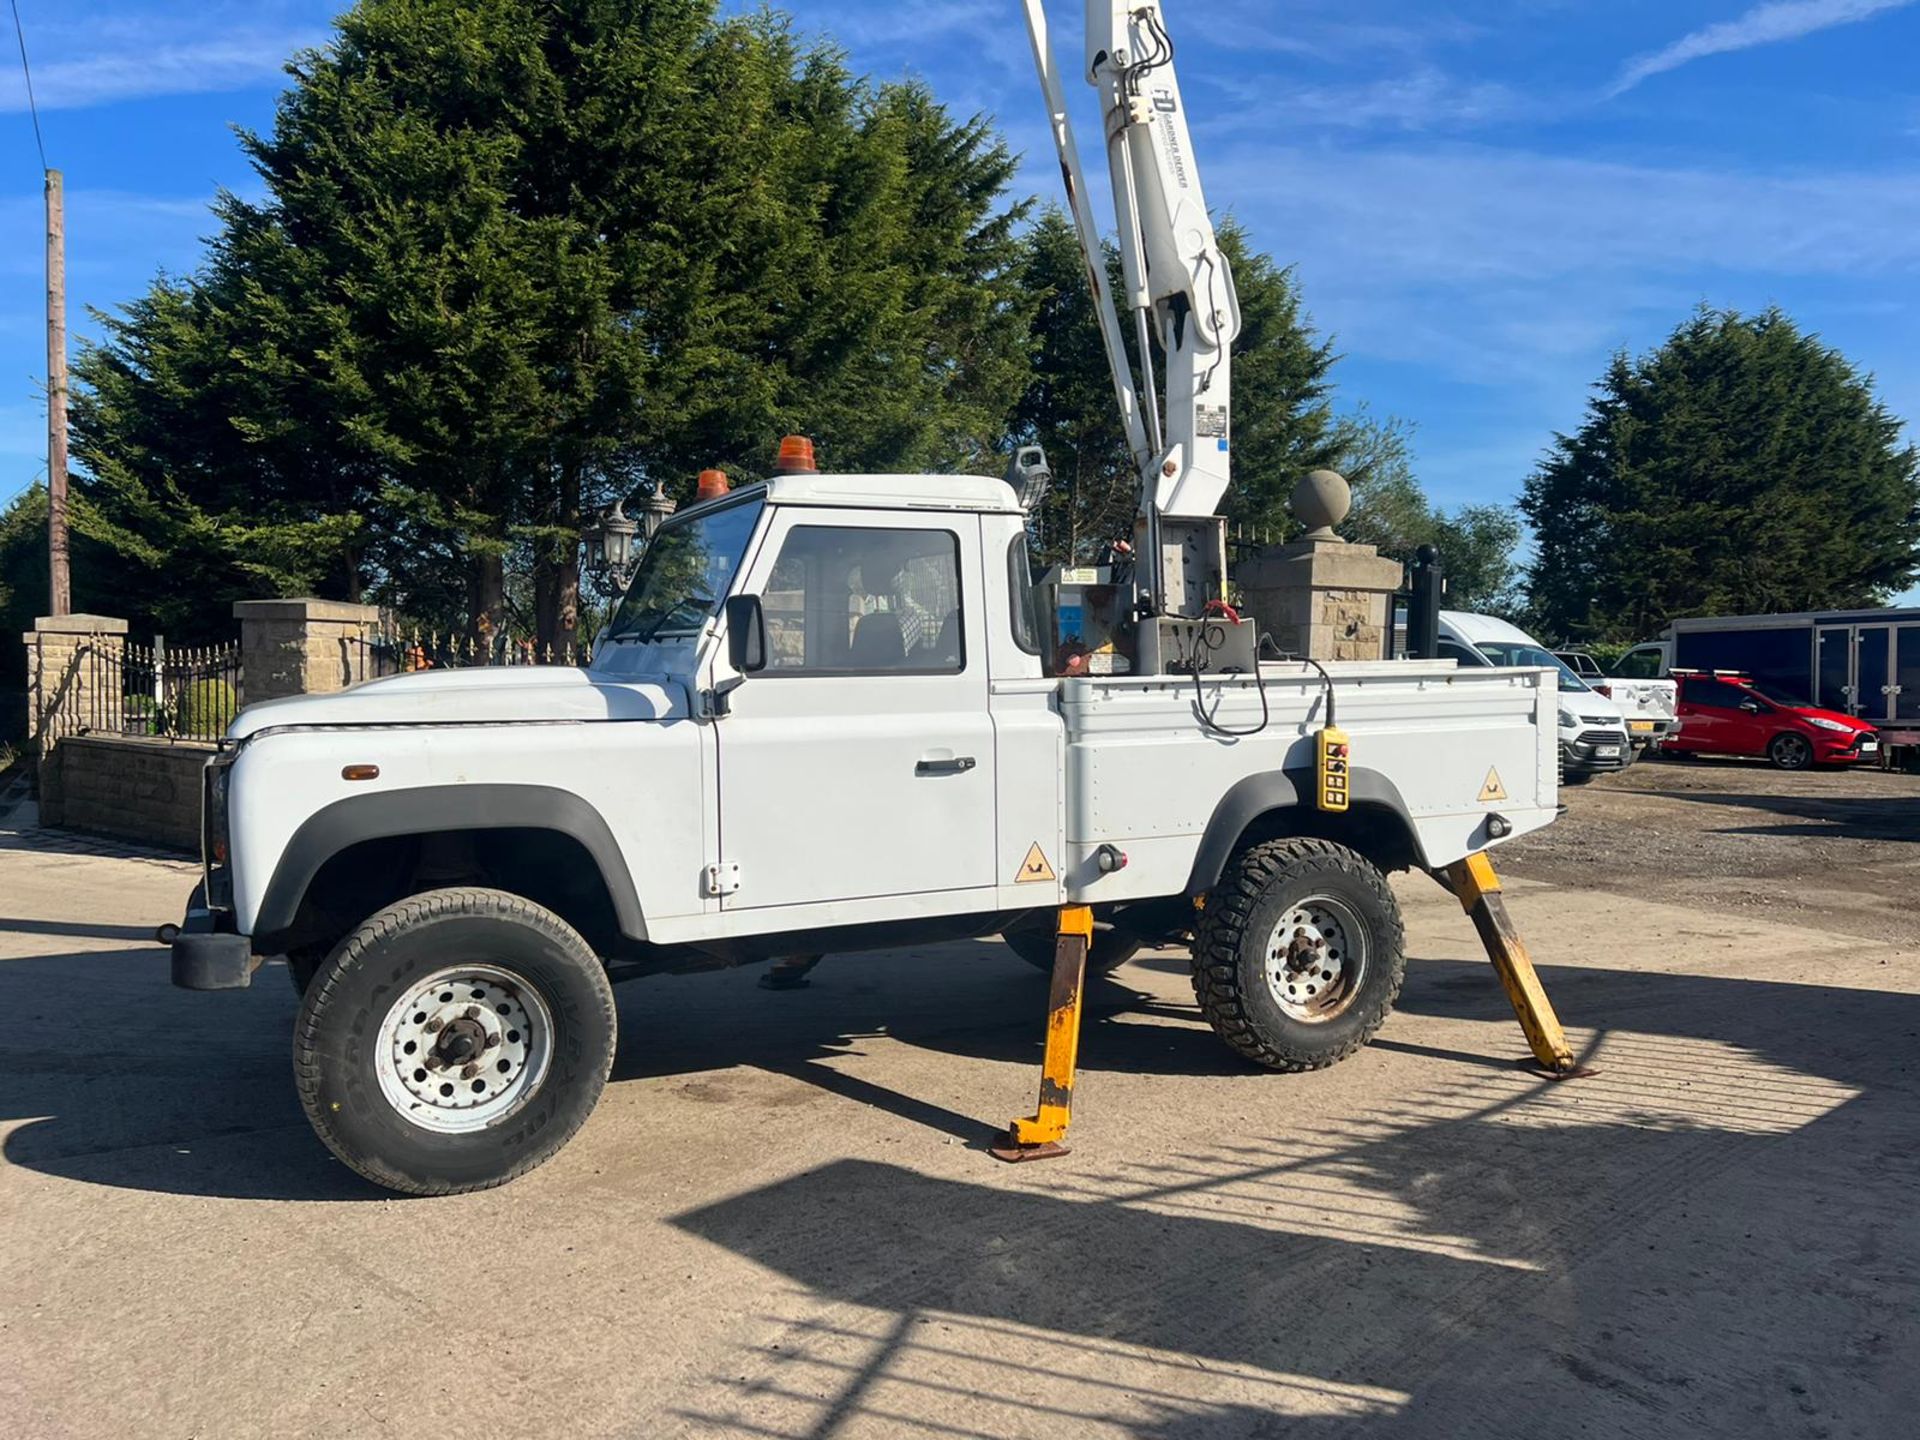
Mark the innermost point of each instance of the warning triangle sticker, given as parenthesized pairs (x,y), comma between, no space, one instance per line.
(1493,789)
(1034,870)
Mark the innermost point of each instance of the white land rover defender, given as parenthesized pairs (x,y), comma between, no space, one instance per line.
(823,719)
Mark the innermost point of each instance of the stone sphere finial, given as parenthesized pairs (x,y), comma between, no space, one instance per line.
(1321,501)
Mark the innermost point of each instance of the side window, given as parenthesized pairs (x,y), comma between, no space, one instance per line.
(1716,694)
(844,600)
(1025,613)
(1643,664)
(1459,653)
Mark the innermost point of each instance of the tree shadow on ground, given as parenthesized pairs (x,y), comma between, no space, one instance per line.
(1836,817)
(1713,1237)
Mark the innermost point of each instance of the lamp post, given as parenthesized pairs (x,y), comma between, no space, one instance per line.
(612,554)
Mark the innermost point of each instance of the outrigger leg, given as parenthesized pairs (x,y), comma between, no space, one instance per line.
(1473,880)
(1038,1136)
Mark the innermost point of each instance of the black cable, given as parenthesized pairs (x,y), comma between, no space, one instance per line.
(33,109)
(1267,642)
(1195,664)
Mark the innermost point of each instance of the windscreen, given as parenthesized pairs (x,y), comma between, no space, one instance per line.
(1512,653)
(685,574)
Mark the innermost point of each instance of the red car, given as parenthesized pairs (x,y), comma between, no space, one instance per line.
(1729,713)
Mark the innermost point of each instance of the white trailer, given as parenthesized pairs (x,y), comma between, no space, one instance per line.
(826,718)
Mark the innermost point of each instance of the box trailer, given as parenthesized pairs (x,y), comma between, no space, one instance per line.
(1859,662)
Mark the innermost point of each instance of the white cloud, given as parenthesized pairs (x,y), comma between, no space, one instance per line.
(1763,25)
(100,75)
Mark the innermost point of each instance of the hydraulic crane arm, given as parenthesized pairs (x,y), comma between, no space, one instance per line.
(1179,286)
(1144,453)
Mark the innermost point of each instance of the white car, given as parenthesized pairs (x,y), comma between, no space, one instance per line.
(1594,739)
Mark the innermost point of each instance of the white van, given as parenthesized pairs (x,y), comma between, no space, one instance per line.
(1593,729)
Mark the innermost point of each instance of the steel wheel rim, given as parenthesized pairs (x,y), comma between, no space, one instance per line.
(1794,750)
(1316,960)
(464,1048)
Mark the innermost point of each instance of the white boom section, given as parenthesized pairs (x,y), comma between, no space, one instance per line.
(1144,453)
(1169,253)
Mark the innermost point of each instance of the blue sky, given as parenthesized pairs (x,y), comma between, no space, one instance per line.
(1484,199)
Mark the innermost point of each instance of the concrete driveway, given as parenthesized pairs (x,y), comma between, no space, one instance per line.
(780,1223)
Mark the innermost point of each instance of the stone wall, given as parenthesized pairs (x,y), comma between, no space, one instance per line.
(135,788)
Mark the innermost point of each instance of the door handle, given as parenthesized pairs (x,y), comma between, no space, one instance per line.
(946,767)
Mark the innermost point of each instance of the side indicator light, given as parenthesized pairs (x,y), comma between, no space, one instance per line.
(360,772)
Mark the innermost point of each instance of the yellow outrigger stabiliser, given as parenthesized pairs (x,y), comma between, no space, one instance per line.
(1038,1136)
(1476,885)
(1472,880)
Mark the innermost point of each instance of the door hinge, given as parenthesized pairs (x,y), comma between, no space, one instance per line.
(723,878)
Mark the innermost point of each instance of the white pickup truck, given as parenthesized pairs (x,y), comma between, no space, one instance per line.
(822,720)
(1651,706)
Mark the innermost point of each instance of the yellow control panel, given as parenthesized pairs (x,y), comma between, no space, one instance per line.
(1333,770)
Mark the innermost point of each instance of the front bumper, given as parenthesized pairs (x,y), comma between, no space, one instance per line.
(1846,749)
(207,954)
(1586,753)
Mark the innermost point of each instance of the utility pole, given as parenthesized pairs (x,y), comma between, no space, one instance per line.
(61,601)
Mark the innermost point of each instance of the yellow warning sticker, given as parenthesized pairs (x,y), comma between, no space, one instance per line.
(1034,870)
(1493,789)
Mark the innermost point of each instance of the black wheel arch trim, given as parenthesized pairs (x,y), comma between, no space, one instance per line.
(1272,790)
(430,809)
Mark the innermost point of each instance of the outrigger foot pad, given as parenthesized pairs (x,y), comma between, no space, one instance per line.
(1574,1072)
(1020,1154)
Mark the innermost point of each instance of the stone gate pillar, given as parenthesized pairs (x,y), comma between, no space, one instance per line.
(64,692)
(303,646)
(1321,596)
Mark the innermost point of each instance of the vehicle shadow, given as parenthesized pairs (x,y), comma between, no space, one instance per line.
(124,1081)
(1838,817)
(1710,1237)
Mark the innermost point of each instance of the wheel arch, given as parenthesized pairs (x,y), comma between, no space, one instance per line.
(1279,803)
(425,812)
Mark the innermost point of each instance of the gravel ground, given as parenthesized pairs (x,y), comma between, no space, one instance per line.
(1835,850)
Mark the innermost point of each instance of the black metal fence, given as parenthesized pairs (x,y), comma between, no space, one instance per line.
(396,649)
(176,693)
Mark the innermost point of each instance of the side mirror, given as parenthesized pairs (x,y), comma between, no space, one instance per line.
(1752,707)
(746,634)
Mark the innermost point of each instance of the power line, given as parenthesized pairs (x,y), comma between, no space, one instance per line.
(32,109)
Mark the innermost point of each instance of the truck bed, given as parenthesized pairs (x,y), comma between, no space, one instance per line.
(1145,775)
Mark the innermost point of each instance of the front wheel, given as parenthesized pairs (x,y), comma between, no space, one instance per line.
(1789,751)
(1299,954)
(456,1040)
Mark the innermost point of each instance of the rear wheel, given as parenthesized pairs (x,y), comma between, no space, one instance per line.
(1111,948)
(1790,751)
(1299,954)
(454,1041)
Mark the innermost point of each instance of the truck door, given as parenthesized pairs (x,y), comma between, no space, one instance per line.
(1835,677)
(1873,673)
(860,763)
(1906,673)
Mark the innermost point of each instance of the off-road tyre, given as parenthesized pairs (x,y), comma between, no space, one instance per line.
(340,1037)
(1111,948)
(1789,751)
(1230,953)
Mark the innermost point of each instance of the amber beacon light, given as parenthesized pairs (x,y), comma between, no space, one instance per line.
(713,484)
(795,457)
